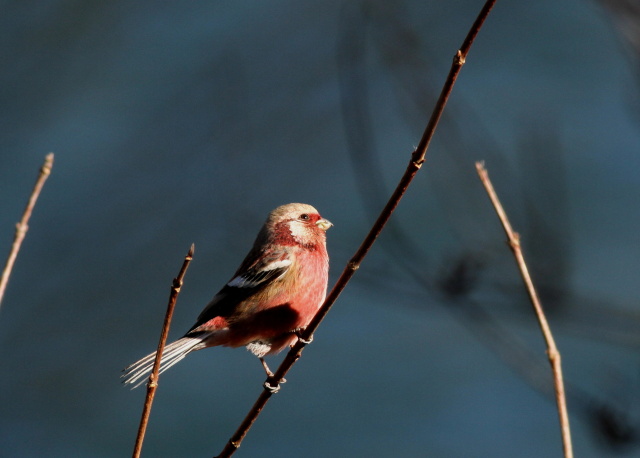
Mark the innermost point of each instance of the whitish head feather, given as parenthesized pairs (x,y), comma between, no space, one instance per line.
(290,211)
(298,230)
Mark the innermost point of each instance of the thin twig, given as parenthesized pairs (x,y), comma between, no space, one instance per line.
(22,227)
(552,350)
(152,385)
(417,159)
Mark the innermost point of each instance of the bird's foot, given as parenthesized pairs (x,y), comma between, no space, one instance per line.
(272,388)
(270,377)
(299,332)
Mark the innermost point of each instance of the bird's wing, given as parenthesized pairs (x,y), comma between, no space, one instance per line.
(254,274)
(266,269)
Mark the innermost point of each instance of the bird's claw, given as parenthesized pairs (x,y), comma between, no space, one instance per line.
(271,388)
(304,341)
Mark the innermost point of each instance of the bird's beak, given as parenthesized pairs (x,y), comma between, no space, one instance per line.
(324,224)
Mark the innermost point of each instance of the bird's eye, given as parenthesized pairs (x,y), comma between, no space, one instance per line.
(304,217)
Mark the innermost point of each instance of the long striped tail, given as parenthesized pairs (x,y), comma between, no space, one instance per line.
(136,373)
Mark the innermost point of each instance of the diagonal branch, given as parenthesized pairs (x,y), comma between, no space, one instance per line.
(417,159)
(152,385)
(552,350)
(22,227)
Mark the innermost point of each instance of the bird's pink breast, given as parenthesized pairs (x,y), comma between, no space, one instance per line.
(298,297)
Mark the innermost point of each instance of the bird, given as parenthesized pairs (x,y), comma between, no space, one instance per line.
(269,300)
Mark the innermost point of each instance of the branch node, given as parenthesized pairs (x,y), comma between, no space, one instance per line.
(514,241)
(554,356)
(459,59)
(48,164)
(417,159)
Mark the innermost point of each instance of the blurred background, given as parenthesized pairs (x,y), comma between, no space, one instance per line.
(175,123)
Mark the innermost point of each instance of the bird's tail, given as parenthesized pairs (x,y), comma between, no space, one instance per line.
(136,373)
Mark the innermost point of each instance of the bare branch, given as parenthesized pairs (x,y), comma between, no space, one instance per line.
(417,159)
(22,227)
(152,385)
(552,350)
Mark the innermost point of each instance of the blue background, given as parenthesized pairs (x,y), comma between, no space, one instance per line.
(175,123)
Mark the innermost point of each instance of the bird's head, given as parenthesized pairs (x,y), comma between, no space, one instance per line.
(297,224)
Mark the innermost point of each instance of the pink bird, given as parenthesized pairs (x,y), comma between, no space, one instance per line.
(273,295)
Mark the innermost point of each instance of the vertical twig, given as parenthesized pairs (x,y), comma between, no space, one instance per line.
(22,227)
(417,159)
(552,350)
(152,385)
